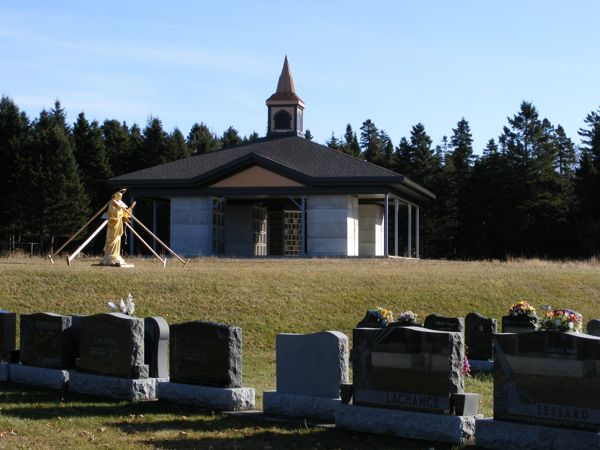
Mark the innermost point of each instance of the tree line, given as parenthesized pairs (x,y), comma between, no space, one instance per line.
(532,192)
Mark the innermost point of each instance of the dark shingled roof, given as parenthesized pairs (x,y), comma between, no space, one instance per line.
(300,158)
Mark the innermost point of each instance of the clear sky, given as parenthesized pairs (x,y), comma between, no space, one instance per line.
(395,62)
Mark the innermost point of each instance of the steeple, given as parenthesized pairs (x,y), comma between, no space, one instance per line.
(285,107)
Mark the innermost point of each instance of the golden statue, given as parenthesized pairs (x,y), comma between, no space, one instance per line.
(118,214)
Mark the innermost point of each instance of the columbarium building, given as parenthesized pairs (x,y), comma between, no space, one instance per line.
(281,195)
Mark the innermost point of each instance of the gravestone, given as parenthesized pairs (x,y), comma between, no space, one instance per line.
(8,333)
(441,323)
(312,364)
(407,368)
(593,327)
(206,353)
(479,336)
(548,378)
(156,346)
(310,369)
(47,341)
(518,324)
(112,344)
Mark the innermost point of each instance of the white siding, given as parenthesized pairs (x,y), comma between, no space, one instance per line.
(191,225)
(329,220)
(370,230)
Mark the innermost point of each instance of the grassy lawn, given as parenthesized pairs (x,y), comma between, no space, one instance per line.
(263,297)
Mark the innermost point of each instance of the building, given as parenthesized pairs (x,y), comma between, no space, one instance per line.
(282,195)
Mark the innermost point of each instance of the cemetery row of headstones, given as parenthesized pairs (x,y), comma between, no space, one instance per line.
(408,381)
(120,356)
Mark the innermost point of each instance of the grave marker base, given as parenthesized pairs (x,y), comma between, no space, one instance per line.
(39,376)
(302,406)
(223,399)
(407,424)
(504,435)
(4,371)
(481,365)
(114,387)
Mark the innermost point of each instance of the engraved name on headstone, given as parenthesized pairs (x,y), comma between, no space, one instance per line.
(407,368)
(46,341)
(548,378)
(206,353)
(479,336)
(441,323)
(112,344)
(518,324)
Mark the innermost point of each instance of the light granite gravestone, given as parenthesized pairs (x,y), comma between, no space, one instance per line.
(593,327)
(518,324)
(310,369)
(546,391)
(156,346)
(111,361)
(206,367)
(417,371)
(8,326)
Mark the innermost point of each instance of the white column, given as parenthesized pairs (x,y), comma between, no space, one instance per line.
(417,233)
(409,238)
(386,217)
(131,236)
(303,226)
(395,227)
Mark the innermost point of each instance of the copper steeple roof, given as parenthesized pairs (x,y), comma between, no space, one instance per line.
(285,86)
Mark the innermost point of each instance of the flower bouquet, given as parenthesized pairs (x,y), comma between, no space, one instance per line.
(376,318)
(125,307)
(406,318)
(521,317)
(522,308)
(561,320)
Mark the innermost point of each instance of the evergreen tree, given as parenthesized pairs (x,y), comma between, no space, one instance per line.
(14,137)
(176,146)
(201,140)
(387,151)
(118,149)
(351,145)
(253,137)
(370,141)
(308,135)
(92,160)
(155,144)
(64,205)
(404,157)
(135,146)
(334,143)
(230,138)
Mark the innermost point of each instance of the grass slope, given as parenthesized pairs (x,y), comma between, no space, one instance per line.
(263,297)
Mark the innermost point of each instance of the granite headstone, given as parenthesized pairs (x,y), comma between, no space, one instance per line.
(312,364)
(479,336)
(46,341)
(8,333)
(441,323)
(593,327)
(407,368)
(112,344)
(548,378)
(156,346)
(518,324)
(206,353)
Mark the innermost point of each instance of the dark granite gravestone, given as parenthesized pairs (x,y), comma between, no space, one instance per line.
(548,378)
(46,341)
(205,353)
(112,344)
(518,324)
(479,336)
(593,327)
(407,368)
(8,333)
(156,346)
(441,323)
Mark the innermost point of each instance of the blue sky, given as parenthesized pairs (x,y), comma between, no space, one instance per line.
(396,62)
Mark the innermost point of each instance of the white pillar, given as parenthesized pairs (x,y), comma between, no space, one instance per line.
(395,227)
(409,239)
(386,217)
(417,232)
(303,226)
(131,236)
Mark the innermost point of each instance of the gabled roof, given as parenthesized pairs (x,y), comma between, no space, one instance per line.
(297,158)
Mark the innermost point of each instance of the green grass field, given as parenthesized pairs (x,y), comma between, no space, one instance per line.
(263,297)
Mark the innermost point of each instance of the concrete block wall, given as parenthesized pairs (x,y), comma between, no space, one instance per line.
(191,226)
(370,223)
(328,219)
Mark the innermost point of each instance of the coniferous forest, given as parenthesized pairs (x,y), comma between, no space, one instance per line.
(532,192)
